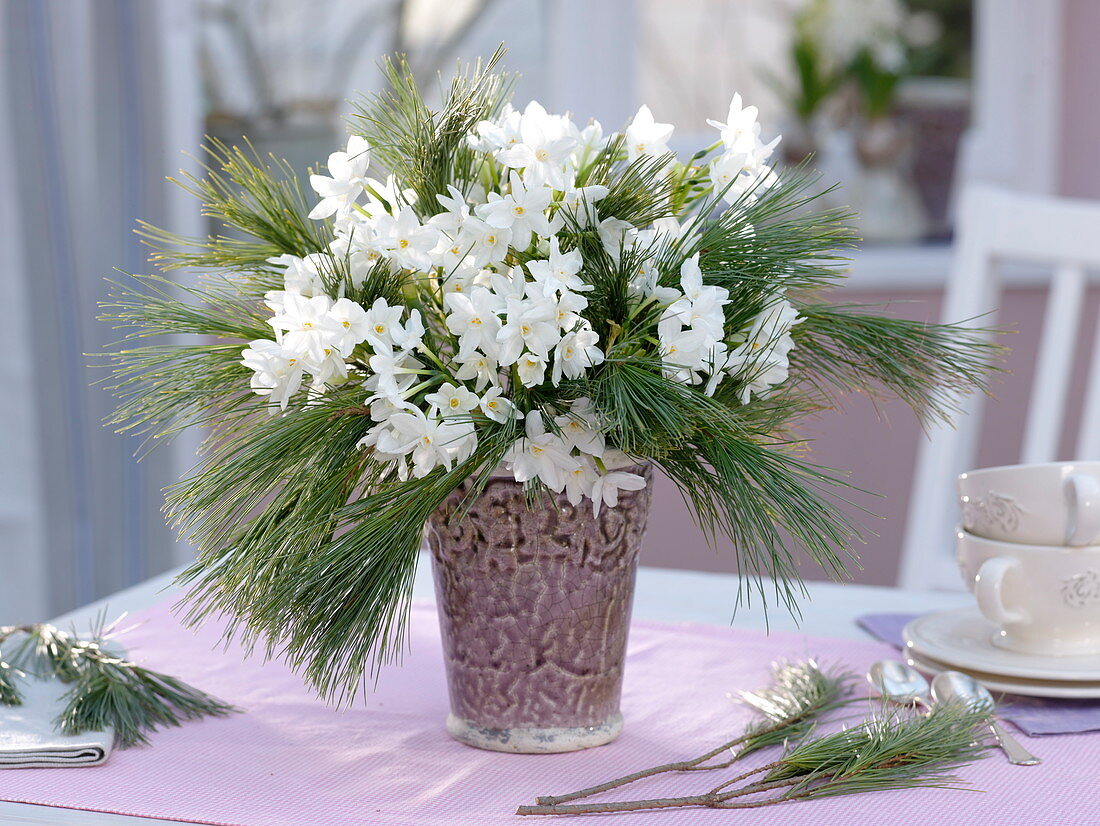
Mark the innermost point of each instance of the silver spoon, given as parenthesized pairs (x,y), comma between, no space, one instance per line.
(955,685)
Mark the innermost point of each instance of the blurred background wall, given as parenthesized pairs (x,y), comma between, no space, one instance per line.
(100,99)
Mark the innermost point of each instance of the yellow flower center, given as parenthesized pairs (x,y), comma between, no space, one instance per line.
(379,328)
(536,449)
(454,402)
(519,210)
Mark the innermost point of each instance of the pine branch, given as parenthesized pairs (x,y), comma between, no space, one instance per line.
(259,197)
(741,483)
(930,367)
(892,750)
(106,691)
(427,150)
(113,693)
(799,694)
(9,691)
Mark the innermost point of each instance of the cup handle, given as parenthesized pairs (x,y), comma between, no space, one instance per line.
(1083,500)
(988,585)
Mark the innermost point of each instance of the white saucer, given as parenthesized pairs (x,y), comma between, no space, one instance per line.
(1060,689)
(962,638)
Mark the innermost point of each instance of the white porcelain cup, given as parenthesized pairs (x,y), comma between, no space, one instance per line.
(1044,599)
(1045,504)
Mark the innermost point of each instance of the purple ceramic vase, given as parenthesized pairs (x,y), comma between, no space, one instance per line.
(534,607)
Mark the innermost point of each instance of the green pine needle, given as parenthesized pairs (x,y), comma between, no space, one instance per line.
(106,691)
(799,695)
(111,693)
(894,749)
(9,691)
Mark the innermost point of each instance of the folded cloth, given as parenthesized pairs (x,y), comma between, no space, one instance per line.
(1032,715)
(29,738)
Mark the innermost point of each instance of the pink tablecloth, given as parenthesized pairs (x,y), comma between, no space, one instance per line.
(290,760)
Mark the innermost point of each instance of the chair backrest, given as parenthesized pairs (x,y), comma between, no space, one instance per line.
(995,226)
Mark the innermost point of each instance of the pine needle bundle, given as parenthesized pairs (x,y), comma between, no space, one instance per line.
(106,692)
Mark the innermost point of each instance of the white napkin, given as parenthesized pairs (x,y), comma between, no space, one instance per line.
(29,738)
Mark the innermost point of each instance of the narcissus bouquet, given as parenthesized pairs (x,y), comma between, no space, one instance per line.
(481,289)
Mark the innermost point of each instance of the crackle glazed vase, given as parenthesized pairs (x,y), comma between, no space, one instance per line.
(534,609)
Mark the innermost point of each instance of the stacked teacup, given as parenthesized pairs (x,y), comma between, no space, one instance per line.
(1029,550)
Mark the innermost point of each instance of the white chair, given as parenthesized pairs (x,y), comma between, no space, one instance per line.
(995,226)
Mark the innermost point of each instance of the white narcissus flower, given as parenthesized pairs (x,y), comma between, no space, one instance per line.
(615,234)
(275,373)
(576,352)
(605,490)
(559,272)
(382,408)
(578,482)
(352,325)
(330,369)
(348,176)
(405,240)
(491,136)
(479,368)
(391,375)
(590,139)
(388,446)
(762,361)
(567,309)
(456,211)
(301,275)
(431,441)
(540,455)
(409,335)
(452,400)
(305,326)
(486,244)
(644,136)
(683,351)
(532,369)
(386,197)
(741,128)
(382,322)
(522,210)
(473,318)
(580,203)
(497,407)
(701,305)
(580,429)
(544,150)
(530,323)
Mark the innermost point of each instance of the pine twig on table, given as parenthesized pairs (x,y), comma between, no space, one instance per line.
(106,691)
(799,693)
(894,749)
